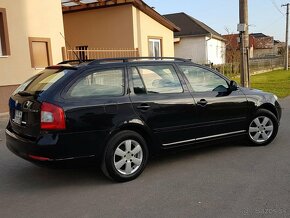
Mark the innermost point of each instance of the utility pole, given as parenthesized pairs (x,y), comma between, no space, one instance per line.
(243,28)
(287,42)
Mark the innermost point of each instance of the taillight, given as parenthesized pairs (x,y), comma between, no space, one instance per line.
(52,117)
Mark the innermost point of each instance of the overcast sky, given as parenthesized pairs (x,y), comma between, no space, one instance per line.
(266,16)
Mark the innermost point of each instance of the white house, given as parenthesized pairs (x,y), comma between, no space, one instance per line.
(197,41)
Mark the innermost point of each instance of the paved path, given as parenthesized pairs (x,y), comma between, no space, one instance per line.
(221,181)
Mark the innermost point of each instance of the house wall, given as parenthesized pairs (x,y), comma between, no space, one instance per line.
(122,26)
(193,48)
(264,42)
(109,27)
(216,51)
(145,27)
(28,18)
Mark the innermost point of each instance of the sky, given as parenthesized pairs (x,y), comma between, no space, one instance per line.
(266,16)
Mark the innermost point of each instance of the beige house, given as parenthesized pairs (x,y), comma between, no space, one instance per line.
(30,40)
(118,25)
(32,35)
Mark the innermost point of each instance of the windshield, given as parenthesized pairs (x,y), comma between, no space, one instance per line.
(41,82)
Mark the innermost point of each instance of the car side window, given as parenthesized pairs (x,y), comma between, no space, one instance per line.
(156,79)
(99,83)
(139,87)
(203,80)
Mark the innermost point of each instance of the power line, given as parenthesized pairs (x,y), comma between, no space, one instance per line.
(276,6)
(268,26)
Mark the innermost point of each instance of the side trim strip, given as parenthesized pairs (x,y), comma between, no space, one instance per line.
(203,138)
(219,135)
(180,142)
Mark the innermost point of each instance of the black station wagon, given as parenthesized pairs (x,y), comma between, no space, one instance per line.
(118,112)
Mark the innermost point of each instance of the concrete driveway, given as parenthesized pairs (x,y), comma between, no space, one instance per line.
(221,181)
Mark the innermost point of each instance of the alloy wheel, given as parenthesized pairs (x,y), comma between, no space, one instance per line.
(128,157)
(261,129)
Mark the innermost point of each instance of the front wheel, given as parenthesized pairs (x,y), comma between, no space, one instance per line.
(263,128)
(125,157)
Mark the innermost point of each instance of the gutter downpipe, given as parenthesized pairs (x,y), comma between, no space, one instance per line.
(210,37)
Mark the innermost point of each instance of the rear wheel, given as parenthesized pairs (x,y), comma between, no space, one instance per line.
(125,157)
(263,128)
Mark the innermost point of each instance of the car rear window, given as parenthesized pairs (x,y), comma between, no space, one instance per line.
(41,82)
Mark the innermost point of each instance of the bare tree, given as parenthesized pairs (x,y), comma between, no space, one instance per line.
(232,50)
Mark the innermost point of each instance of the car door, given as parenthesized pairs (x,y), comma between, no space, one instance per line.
(161,99)
(221,111)
(93,102)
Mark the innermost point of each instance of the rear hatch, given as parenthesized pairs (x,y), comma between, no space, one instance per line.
(25,103)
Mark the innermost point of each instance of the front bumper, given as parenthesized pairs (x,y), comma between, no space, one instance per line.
(279,110)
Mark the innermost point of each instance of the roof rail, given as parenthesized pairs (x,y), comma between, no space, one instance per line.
(127,59)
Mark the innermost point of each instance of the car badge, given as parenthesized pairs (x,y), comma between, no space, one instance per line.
(27,105)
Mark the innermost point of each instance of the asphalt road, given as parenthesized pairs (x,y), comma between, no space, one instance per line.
(220,181)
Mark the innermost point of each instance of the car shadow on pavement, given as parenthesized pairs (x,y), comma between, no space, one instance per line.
(195,152)
(32,177)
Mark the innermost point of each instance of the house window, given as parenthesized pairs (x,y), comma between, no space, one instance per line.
(155,48)
(40,52)
(4,40)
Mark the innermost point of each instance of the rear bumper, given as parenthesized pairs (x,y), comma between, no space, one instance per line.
(48,148)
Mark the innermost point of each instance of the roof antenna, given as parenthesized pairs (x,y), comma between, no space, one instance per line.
(66,42)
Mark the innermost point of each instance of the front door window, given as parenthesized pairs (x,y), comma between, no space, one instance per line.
(203,80)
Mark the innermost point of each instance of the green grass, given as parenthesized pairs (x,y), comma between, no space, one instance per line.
(277,82)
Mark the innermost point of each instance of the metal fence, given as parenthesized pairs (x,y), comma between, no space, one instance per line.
(99,53)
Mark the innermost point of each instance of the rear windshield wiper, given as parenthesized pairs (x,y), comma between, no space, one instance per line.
(24,93)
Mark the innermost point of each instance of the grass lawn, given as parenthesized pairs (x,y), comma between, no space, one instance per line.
(277,82)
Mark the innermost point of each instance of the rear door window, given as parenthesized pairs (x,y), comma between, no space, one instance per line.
(160,79)
(109,82)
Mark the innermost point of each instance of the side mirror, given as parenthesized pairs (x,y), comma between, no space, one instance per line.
(233,86)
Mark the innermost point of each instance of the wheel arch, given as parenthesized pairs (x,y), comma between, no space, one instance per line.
(269,107)
(151,141)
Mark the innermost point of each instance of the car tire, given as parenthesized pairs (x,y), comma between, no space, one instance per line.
(125,157)
(262,128)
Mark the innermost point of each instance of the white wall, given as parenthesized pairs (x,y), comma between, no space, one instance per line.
(216,51)
(191,48)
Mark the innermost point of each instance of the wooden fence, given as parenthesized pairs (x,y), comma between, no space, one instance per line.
(92,53)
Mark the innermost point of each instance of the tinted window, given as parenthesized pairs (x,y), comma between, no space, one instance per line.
(100,83)
(42,81)
(158,79)
(139,87)
(203,80)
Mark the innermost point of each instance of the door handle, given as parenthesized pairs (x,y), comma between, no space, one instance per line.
(202,102)
(143,107)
